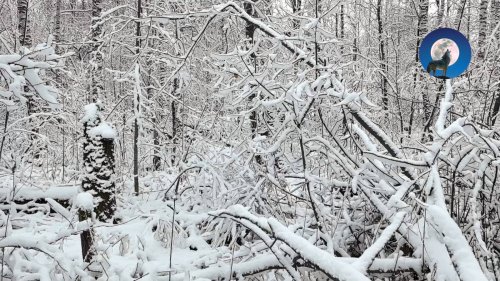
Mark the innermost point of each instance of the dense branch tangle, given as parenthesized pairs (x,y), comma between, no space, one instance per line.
(389,183)
(250,119)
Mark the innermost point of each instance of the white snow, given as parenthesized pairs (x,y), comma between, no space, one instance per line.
(103,130)
(462,255)
(364,262)
(91,113)
(32,192)
(84,201)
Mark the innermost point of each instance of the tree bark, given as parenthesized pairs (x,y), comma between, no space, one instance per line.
(96,86)
(137,103)
(483,28)
(99,169)
(382,57)
(423,11)
(23,25)
(250,32)
(86,237)
(495,14)
(460,13)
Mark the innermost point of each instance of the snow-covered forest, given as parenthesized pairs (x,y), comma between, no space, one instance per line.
(246,140)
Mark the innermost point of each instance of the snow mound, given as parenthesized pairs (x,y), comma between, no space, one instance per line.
(84,201)
(103,130)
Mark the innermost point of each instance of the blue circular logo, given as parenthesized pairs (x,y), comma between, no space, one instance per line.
(445,53)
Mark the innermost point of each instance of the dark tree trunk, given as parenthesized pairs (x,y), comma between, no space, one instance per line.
(250,32)
(97,86)
(383,65)
(342,27)
(23,25)
(495,14)
(460,13)
(86,237)
(483,28)
(137,103)
(175,121)
(156,142)
(421,31)
(99,169)
(296,6)
(496,108)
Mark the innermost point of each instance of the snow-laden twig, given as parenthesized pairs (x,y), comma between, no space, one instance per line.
(324,261)
(368,256)
(475,216)
(466,263)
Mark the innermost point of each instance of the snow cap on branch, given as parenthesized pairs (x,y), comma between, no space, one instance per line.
(84,201)
(103,130)
(91,112)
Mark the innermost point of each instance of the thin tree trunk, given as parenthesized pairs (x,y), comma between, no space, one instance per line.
(23,25)
(250,32)
(460,13)
(342,27)
(173,105)
(4,130)
(97,86)
(137,103)
(440,4)
(421,31)
(495,14)
(57,37)
(483,27)
(383,63)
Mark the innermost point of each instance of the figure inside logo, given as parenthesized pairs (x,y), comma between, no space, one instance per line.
(441,64)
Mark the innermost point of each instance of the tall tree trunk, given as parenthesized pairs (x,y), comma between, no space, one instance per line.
(296,6)
(23,24)
(57,37)
(137,102)
(495,15)
(176,95)
(382,57)
(483,28)
(440,13)
(342,28)
(174,104)
(32,100)
(423,11)
(250,32)
(460,14)
(96,86)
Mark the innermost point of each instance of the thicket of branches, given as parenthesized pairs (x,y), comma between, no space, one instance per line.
(273,140)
